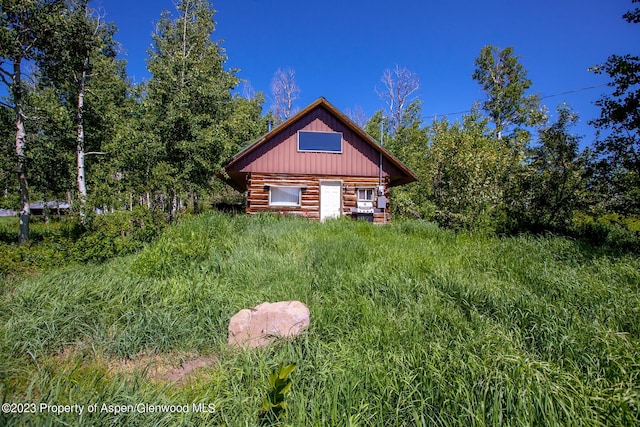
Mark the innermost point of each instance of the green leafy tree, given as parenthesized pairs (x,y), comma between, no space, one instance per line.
(408,143)
(465,169)
(408,140)
(133,152)
(50,154)
(556,179)
(513,112)
(108,104)
(80,66)
(400,129)
(505,83)
(189,104)
(24,27)
(618,143)
(245,121)
(379,127)
(633,16)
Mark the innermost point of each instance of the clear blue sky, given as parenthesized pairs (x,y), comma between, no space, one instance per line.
(340,48)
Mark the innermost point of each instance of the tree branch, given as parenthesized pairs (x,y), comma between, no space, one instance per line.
(35,118)
(5,76)
(5,72)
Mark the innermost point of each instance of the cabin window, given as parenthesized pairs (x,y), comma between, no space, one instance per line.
(326,142)
(365,194)
(284,196)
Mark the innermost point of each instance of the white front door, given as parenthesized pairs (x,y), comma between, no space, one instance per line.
(330,199)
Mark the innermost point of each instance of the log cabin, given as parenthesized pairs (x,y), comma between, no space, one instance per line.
(320,165)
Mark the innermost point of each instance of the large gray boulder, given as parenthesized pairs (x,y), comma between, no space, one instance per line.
(262,324)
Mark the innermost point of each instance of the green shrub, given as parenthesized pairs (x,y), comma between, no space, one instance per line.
(117,233)
(8,229)
(611,230)
(50,245)
(68,240)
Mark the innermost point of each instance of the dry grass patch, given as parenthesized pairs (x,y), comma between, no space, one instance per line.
(173,367)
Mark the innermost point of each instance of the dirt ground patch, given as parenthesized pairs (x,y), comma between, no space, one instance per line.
(168,367)
(174,368)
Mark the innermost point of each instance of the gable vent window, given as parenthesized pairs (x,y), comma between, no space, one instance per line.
(284,196)
(324,142)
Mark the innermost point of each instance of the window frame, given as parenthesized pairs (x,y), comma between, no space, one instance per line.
(304,150)
(373,194)
(285,204)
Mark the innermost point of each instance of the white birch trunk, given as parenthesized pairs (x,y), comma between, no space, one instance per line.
(174,206)
(21,138)
(82,185)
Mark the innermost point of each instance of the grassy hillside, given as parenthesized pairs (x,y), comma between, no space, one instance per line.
(410,325)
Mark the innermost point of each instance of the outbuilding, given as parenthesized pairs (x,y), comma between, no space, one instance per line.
(320,165)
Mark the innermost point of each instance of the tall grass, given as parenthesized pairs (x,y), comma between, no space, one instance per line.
(410,325)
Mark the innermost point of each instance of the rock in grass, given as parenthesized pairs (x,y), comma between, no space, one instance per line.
(262,324)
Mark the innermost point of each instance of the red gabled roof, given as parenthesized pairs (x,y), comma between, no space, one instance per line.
(402,174)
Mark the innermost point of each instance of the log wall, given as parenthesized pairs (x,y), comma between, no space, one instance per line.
(258,194)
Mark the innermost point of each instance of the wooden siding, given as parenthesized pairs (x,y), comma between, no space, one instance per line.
(281,155)
(259,184)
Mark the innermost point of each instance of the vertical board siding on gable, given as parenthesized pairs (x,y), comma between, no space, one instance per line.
(280,155)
